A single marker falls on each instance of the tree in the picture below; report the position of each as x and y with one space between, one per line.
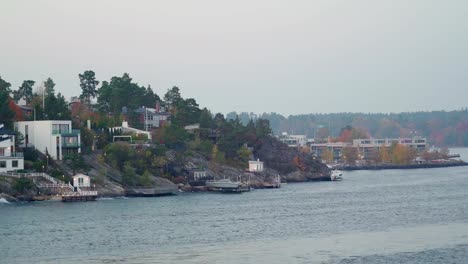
172 98
384 155
49 87
23 185
88 84
76 162
24 91
206 118
118 153
129 175
327 156
402 154
5 86
145 179
7 116
350 155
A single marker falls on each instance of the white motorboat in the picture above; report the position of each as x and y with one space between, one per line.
336 175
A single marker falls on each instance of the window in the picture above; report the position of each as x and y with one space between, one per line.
14 164
2 164
80 181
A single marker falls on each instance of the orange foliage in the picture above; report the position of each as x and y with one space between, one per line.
297 161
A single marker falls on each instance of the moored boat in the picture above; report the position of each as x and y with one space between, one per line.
336 175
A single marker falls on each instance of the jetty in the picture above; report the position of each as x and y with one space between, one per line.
404 167
49 186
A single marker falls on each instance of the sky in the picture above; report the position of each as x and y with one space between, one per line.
288 57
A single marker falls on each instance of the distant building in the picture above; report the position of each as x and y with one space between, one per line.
293 140
56 137
367 146
125 129
197 174
10 160
336 148
152 118
255 165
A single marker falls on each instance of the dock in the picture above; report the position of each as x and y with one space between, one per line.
79 197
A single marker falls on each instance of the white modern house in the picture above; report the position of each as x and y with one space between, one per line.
293 140
56 137
125 129
255 165
10 160
81 180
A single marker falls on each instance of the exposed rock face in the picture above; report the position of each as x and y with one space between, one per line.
291 163
8 198
6 185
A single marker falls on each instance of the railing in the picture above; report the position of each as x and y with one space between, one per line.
13 155
71 145
55 183
66 132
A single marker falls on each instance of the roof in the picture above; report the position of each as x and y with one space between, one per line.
4 131
80 175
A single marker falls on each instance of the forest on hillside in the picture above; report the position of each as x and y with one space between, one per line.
441 128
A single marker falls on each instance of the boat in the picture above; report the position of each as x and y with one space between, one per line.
336 175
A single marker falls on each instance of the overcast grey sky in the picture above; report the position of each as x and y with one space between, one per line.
258 56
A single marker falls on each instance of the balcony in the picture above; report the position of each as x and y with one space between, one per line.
71 145
14 155
73 132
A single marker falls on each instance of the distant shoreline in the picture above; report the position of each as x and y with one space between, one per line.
405 167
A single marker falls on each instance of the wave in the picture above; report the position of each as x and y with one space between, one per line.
4 201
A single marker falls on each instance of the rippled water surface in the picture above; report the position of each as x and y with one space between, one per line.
393 216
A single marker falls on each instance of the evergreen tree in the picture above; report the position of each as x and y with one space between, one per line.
49 87
88 84
24 91
7 116
4 85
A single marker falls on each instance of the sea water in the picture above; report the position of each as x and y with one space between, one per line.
388 216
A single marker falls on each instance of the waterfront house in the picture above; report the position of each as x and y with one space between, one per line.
55 137
255 165
10 160
81 180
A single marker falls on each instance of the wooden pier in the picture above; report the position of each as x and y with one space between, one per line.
81 196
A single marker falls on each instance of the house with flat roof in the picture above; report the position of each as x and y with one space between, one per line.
293 140
10 160
255 165
55 137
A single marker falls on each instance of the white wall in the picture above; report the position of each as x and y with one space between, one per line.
86 181
40 135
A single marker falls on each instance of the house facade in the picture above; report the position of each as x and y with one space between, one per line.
56 137
366 146
255 165
10 160
152 118
81 180
293 140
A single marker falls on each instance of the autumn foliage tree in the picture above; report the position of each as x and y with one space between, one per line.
327 156
350 155
402 154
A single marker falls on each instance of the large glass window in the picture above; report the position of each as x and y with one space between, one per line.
14 164
3 164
